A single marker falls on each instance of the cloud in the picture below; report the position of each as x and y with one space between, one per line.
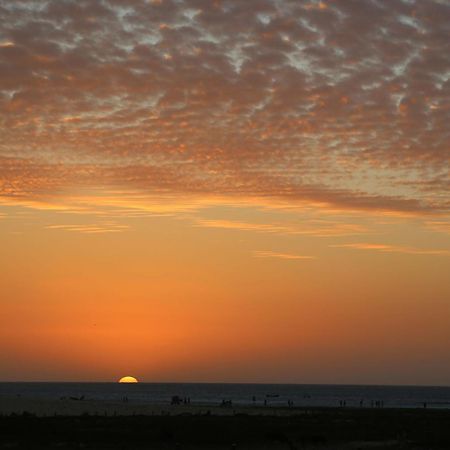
91 228
325 102
243 226
386 248
285 256
440 226
318 228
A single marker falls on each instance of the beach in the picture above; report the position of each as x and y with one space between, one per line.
27 423
44 407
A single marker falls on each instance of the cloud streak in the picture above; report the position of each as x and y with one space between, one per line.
284 256
316 228
386 248
91 228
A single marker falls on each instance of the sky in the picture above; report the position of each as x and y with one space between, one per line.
225 190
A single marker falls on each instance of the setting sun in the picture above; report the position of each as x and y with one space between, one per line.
128 380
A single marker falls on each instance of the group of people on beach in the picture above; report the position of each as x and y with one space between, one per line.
377 404
373 403
177 400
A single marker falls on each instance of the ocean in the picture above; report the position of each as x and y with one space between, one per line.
301 395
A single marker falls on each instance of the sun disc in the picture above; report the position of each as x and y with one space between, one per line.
128 379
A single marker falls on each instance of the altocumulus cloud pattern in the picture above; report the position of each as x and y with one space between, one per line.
344 103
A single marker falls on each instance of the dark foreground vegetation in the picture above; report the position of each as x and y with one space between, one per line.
304 429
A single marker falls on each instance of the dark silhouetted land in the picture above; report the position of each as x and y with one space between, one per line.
328 428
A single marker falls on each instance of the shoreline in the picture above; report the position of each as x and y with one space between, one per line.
44 407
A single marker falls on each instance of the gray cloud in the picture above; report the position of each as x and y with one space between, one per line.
331 101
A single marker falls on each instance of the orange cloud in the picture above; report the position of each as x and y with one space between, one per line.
393 249
91 229
198 107
312 227
287 256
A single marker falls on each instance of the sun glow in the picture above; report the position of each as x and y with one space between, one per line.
128 379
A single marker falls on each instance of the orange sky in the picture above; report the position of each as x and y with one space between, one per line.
225 191
165 298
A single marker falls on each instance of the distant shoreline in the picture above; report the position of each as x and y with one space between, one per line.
147 398
42 407
227 383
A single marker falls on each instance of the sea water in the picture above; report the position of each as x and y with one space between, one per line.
240 394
